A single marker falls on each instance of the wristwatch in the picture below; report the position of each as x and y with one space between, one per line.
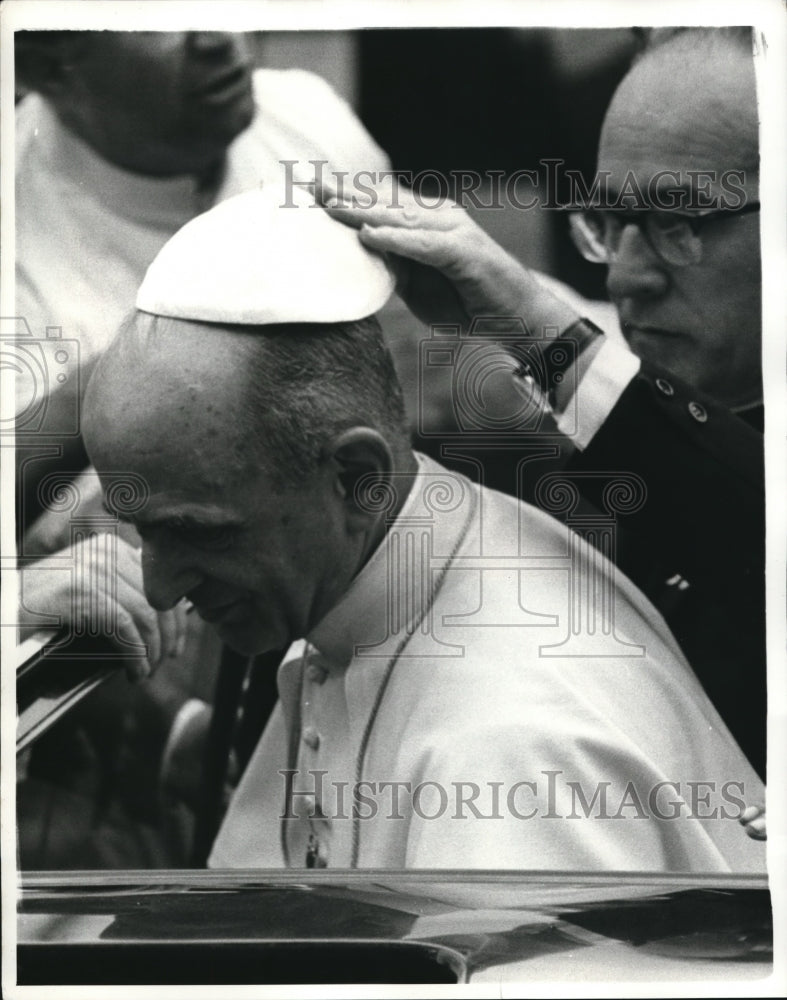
547 361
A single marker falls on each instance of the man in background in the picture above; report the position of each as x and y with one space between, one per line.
124 137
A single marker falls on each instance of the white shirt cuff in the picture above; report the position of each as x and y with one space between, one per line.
598 391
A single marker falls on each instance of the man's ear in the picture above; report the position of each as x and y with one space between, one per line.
363 463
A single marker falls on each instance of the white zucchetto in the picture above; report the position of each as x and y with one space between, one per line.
252 261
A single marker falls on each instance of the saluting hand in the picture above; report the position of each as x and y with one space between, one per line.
448 270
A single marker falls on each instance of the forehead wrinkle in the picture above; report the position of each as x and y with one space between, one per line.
711 132
634 145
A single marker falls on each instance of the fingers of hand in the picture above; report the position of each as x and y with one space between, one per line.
756 829
753 821
181 612
126 630
49 533
172 627
127 563
435 248
398 208
109 597
128 618
750 813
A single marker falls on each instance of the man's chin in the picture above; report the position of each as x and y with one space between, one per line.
665 348
220 126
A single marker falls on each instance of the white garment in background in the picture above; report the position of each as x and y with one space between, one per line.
87 230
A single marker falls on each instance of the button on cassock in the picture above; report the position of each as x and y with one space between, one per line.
311 737
316 672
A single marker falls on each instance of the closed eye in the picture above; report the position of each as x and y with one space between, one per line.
214 537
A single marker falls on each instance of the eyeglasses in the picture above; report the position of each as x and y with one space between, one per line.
675 238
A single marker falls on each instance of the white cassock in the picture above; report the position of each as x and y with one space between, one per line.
465 705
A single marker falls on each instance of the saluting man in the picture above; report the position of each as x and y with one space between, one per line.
677 226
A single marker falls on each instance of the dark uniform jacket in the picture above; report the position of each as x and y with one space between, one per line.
696 546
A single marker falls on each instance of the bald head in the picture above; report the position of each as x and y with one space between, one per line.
681 135
688 103
167 391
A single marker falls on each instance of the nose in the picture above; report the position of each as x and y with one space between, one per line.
166 575
636 271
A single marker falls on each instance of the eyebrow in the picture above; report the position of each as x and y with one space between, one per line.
174 520
683 189
613 194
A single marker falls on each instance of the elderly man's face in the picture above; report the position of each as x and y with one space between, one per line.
701 321
159 102
261 562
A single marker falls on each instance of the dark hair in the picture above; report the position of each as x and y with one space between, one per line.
303 384
308 382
